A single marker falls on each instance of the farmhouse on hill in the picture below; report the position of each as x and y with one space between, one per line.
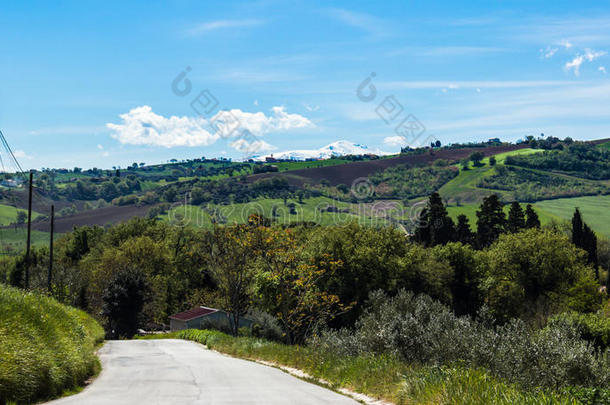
203 317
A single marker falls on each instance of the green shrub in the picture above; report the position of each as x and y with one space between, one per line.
45 347
381 375
594 328
419 330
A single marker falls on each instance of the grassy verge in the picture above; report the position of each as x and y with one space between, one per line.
46 348
383 377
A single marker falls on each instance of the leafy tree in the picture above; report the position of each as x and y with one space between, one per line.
532 220
170 194
537 269
124 298
371 259
491 221
343 188
232 271
516 218
291 287
476 158
466 283
463 232
437 227
22 216
492 160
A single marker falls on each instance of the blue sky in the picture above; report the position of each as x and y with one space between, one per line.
90 84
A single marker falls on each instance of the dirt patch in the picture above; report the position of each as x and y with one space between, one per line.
101 217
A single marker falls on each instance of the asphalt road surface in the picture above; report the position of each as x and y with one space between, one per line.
176 372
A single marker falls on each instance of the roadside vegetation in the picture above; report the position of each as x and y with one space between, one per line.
380 376
45 347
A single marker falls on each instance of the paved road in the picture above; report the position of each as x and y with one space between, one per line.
177 372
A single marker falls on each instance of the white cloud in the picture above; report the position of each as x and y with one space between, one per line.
19 154
395 140
566 44
206 27
250 148
366 22
100 147
589 56
602 69
548 52
141 126
575 64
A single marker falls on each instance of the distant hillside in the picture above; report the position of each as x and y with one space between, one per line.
101 197
346 174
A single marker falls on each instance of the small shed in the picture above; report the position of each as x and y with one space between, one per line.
202 317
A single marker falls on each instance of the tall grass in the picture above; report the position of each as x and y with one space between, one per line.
380 376
45 347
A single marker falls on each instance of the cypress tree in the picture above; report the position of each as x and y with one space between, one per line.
532 220
590 246
491 221
422 230
583 237
577 229
437 227
463 232
516 218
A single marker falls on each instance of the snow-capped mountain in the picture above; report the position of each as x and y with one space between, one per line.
338 148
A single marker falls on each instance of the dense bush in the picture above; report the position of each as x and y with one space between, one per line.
537 273
45 347
594 328
420 330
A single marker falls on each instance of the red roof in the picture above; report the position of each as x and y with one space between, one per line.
193 313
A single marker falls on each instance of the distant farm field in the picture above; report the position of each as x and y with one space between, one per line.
8 214
595 210
315 210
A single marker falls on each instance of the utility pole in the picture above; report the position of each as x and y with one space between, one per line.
27 243
50 275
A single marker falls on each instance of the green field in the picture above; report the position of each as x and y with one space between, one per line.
605 145
12 241
595 210
463 188
8 214
310 210
501 157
